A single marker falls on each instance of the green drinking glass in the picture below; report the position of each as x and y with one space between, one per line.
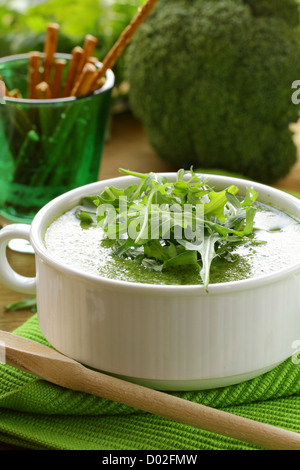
47 146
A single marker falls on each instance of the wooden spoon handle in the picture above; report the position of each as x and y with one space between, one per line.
50 365
184 411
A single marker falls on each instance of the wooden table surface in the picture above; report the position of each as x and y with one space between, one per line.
127 147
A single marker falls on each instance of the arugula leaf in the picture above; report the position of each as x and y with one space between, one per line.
29 302
86 219
206 248
217 201
160 224
208 253
155 249
184 258
250 197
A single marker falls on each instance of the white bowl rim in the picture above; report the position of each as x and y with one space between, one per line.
229 287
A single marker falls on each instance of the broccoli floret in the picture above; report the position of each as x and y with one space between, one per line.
286 10
211 82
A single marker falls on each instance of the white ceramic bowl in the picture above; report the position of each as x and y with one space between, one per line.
166 337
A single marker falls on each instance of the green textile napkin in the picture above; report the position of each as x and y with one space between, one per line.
36 414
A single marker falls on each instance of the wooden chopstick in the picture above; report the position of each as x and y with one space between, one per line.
50 365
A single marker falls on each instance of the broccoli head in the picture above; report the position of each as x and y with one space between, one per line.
210 80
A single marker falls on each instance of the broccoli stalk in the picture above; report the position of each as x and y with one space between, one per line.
210 81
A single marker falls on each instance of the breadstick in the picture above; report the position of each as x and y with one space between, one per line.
88 49
89 45
56 83
84 83
3 88
93 60
77 54
43 91
15 93
100 82
50 49
123 40
34 73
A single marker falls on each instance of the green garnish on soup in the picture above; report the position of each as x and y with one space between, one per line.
161 224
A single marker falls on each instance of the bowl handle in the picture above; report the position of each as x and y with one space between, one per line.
9 277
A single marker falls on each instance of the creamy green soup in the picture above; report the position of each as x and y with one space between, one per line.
275 244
